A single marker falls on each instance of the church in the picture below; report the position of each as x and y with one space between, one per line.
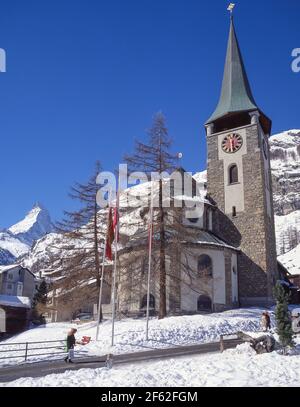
232 261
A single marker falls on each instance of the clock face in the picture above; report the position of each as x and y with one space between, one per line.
232 143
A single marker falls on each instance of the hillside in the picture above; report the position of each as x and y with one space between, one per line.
18 239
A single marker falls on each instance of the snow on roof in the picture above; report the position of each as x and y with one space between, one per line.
200 177
10 267
208 238
291 261
3 269
12 301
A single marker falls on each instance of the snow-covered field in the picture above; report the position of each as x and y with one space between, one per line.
240 367
237 367
130 333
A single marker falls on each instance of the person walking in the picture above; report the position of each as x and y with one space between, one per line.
265 321
71 342
268 321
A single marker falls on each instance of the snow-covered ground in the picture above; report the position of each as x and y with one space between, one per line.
239 367
130 333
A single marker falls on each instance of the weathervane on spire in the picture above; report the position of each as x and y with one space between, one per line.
230 8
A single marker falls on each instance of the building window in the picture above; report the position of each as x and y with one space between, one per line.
151 302
10 276
209 225
194 220
205 268
204 304
234 211
9 286
233 174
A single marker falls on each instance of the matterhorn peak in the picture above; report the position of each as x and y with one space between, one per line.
35 225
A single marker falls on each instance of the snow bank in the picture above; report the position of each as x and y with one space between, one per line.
240 367
130 333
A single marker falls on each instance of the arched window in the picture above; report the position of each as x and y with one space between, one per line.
2 321
151 302
233 174
205 268
204 304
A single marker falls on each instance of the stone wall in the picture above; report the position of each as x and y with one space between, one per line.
251 230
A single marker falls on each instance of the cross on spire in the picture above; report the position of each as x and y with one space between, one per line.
236 95
231 7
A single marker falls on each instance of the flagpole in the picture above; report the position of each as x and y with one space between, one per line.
115 267
114 295
102 274
101 290
149 262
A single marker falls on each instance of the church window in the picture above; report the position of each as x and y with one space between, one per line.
194 220
233 174
151 302
204 304
205 268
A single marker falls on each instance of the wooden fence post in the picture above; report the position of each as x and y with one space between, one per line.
26 351
222 347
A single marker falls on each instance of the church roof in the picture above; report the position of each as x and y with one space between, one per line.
236 94
205 237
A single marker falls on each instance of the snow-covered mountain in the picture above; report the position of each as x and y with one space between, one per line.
36 224
11 248
285 156
285 161
18 239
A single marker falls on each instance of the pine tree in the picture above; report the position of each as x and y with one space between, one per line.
39 303
283 320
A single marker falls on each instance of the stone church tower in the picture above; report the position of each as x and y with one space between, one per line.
239 178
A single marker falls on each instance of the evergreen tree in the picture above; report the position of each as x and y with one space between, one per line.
39 303
283 320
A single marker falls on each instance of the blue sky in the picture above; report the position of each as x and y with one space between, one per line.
84 79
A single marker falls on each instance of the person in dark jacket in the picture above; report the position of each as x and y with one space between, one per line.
71 342
268 320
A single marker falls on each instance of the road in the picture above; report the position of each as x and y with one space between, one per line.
39 369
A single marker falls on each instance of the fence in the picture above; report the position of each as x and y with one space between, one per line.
28 347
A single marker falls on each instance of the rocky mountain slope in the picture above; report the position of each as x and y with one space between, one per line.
17 240
36 224
285 162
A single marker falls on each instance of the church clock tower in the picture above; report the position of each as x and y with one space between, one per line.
239 178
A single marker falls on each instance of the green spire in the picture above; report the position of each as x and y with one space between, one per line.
236 95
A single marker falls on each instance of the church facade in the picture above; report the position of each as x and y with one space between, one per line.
232 261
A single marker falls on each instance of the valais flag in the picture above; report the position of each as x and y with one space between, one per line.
112 230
